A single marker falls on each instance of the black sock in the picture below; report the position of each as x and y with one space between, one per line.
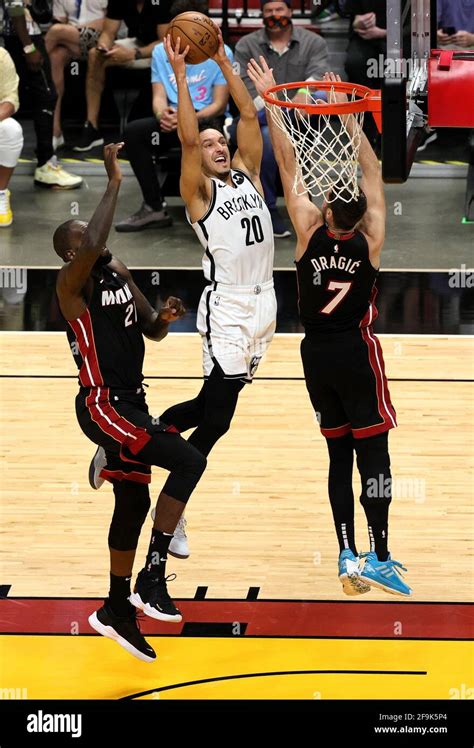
118 595
341 495
373 461
158 552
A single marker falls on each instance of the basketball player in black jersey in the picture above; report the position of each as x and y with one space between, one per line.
337 260
107 317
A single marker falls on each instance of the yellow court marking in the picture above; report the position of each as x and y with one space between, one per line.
91 667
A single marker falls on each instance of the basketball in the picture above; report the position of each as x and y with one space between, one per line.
199 32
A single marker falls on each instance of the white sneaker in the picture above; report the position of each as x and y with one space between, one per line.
178 547
52 175
98 462
58 142
6 215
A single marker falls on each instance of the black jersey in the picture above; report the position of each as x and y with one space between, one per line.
106 340
336 282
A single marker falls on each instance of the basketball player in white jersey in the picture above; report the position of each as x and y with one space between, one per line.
339 246
225 206
237 312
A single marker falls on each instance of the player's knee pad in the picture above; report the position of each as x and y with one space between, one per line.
373 462
132 503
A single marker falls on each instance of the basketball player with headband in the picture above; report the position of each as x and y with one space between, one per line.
337 261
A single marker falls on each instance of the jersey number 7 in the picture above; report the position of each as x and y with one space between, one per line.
343 288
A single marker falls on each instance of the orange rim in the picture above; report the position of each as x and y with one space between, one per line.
369 101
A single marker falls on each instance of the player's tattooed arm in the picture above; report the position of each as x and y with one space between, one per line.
153 324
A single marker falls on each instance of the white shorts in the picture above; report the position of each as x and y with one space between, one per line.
237 324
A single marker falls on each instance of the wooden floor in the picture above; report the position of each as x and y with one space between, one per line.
260 516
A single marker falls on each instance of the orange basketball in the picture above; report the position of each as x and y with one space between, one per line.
199 32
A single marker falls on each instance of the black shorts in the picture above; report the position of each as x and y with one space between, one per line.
346 382
119 421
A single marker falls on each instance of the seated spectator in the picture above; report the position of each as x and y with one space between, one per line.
367 39
295 54
11 133
78 30
457 15
145 139
24 42
146 22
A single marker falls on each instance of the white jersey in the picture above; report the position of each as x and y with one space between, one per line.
236 233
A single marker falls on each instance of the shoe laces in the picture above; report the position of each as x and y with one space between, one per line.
390 562
180 531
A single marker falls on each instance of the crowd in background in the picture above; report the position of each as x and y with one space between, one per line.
41 38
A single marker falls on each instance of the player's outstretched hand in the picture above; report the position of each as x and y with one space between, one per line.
260 74
177 59
220 56
172 310
335 97
111 163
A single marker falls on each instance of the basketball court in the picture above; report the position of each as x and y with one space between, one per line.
264 615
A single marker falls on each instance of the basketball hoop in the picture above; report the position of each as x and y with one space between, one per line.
325 135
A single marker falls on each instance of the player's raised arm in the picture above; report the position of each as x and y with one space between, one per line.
373 222
249 137
91 242
304 215
192 183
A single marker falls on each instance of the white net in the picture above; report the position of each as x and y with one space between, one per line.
326 146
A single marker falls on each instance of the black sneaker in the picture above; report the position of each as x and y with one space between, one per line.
145 218
151 595
429 136
90 138
123 630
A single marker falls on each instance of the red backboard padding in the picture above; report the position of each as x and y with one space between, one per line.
451 88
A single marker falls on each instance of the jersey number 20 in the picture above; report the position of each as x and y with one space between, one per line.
253 227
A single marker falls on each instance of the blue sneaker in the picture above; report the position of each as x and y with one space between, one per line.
349 574
386 575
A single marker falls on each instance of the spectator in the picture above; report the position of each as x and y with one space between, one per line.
457 15
146 138
295 54
78 30
367 40
11 134
146 22
24 42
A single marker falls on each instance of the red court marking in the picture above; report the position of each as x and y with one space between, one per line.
263 618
